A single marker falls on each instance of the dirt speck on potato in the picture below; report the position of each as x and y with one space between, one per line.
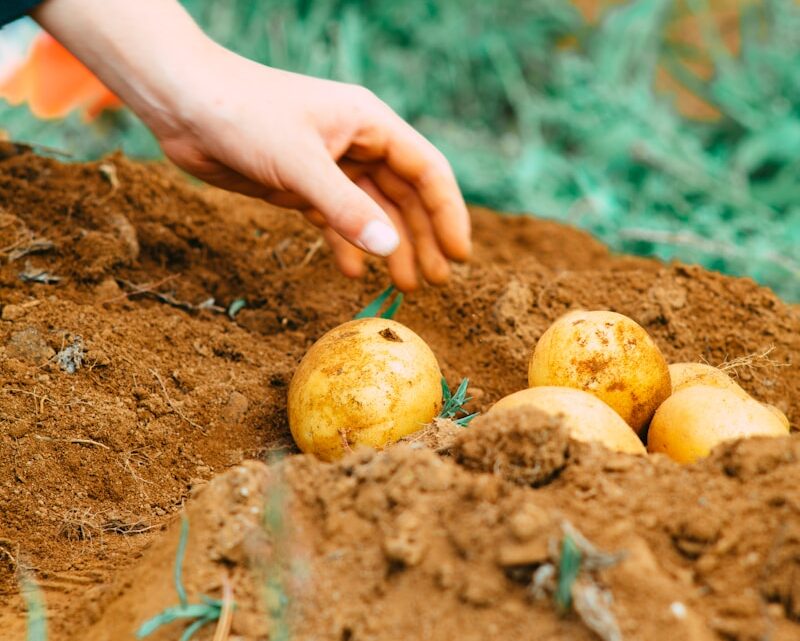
389 335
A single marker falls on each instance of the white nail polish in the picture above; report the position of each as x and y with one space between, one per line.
378 238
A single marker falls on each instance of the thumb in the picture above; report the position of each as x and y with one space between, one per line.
346 207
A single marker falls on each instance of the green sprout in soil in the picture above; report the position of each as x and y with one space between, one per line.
454 403
373 309
199 613
275 524
568 569
235 307
37 612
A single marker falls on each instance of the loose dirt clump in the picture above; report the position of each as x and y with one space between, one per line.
133 382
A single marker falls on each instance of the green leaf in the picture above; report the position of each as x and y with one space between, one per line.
568 569
236 306
37 610
179 556
453 403
200 613
373 309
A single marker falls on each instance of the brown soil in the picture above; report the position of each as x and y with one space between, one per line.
442 538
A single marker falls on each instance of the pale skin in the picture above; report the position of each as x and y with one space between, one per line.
357 171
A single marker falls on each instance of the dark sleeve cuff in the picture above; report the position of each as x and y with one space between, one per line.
12 9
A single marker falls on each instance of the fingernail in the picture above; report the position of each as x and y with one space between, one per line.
378 238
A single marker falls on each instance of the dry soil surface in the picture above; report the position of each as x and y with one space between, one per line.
128 396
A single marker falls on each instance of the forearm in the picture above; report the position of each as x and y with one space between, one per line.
360 172
137 48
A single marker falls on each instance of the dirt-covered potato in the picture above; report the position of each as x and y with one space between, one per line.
370 381
585 416
608 355
691 422
685 375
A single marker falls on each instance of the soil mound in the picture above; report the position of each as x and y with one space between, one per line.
127 386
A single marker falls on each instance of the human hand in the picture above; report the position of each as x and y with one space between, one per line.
335 151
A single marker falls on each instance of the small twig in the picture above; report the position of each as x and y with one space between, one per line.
12 246
88 441
278 250
6 546
109 171
38 399
226 613
75 441
140 457
172 405
138 289
315 247
118 526
34 246
169 299
79 525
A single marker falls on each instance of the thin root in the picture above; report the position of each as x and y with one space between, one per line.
315 247
79 525
751 362
226 614
172 405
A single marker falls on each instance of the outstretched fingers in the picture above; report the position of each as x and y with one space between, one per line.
432 261
411 157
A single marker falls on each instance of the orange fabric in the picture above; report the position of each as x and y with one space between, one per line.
54 83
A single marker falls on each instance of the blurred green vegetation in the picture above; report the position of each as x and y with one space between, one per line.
577 133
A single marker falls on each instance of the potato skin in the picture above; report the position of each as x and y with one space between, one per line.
585 416
691 422
608 355
369 381
779 415
685 375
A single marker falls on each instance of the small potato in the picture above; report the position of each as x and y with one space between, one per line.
585 416
608 355
691 422
369 381
685 375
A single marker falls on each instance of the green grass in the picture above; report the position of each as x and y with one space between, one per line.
454 403
576 134
196 615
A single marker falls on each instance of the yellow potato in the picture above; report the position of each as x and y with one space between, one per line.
685 375
585 416
608 355
369 381
780 415
691 422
